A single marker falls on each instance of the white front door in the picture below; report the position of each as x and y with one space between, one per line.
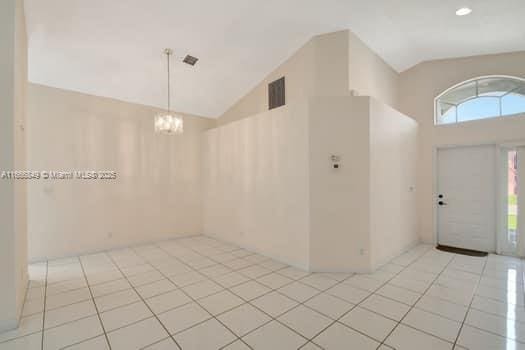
466 197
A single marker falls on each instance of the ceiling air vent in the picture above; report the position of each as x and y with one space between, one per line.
190 60
276 93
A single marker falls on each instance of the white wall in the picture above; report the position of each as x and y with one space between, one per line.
255 183
364 213
412 92
319 68
369 75
269 184
256 168
339 222
20 155
393 207
246 159
157 191
418 88
8 318
298 85
13 235
330 64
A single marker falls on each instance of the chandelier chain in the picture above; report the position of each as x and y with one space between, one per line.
168 58
166 122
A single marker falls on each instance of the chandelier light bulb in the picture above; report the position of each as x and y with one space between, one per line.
463 11
169 124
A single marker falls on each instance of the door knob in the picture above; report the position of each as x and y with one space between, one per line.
442 203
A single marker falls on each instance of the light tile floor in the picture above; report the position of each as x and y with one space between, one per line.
200 293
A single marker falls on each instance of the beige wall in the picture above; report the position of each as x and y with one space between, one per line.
319 68
393 207
420 85
157 191
412 92
13 235
369 75
269 184
298 85
20 154
255 183
266 179
330 64
339 225
8 316
364 213
322 73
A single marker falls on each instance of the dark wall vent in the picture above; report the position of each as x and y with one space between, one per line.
190 60
276 93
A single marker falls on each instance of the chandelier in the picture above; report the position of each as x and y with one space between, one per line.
168 123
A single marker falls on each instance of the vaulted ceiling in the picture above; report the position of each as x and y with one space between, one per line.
113 48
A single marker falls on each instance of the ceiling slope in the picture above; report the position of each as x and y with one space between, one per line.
115 48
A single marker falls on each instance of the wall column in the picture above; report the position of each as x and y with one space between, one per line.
13 234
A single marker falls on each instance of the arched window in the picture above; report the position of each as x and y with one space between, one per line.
480 98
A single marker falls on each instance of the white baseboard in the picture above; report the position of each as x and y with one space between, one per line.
112 247
8 325
257 251
401 251
12 323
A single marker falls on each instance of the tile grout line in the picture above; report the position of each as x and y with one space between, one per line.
208 276
77 288
169 277
271 290
250 279
212 277
22 312
276 318
302 303
272 318
359 304
189 296
143 300
169 337
44 310
84 317
419 308
412 307
124 305
337 320
94 303
27 299
489 313
470 304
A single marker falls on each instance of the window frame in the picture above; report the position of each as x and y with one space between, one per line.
475 79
